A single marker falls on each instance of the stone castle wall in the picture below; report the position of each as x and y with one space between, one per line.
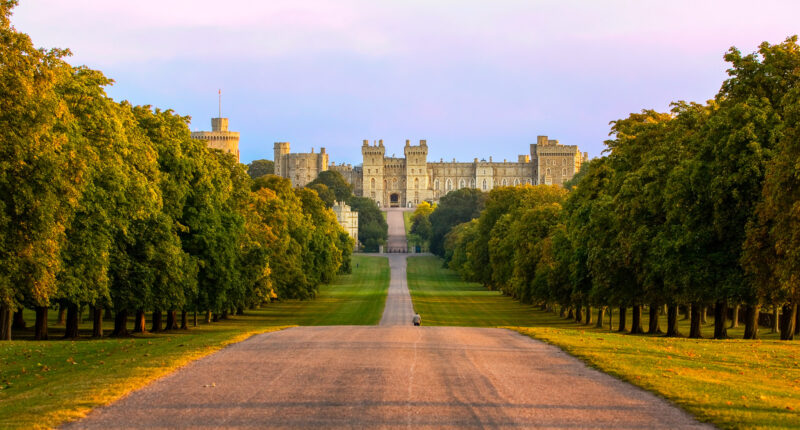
409 180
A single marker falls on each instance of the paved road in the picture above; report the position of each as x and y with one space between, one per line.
399 309
388 377
391 376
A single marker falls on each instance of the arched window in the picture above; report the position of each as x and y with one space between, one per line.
448 185
472 183
564 162
484 185
548 171
528 181
564 172
416 183
436 184
516 182
505 182
372 184
462 184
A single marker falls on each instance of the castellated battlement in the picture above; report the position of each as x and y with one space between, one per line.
220 137
406 181
300 168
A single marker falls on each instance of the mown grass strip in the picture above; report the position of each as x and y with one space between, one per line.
44 384
730 383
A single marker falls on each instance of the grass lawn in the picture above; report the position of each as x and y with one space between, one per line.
731 383
43 384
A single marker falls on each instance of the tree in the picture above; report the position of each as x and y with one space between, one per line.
372 228
324 193
454 208
336 183
259 168
42 172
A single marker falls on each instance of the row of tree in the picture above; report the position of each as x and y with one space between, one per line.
114 207
696 207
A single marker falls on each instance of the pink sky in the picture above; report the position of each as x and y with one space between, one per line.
474 78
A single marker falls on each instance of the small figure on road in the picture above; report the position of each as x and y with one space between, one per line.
417 319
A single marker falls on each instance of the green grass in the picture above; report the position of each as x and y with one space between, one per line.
407 221
43 384
443 299
730 383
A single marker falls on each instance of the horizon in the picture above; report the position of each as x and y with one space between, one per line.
473 80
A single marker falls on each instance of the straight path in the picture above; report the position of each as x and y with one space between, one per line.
399 309
389 377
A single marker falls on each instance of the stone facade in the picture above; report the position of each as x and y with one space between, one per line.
220 137
300 168
407 181
348 219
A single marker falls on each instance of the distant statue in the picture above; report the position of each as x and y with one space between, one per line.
417 320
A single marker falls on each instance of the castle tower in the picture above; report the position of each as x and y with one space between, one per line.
280 150
416 173
373 171
220 137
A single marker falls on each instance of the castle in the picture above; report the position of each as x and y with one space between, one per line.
407 181
219 137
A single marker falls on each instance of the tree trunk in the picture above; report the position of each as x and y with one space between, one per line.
40 326
120 323
240 310
672 321
224 314
184 321
623 315
797 323
208 317
195 318
751 321
610 318
696 327
636 320
704 315
788 320
775 323
139 323
71 331
578 313
721 319
589 315
19 320
601 316
156 323
61 314
215 317
97 321
562 311
570 313
735 316
654 326
172 320
6 317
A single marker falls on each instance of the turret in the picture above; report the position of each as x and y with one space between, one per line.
280 149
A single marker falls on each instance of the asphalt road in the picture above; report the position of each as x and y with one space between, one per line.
390 376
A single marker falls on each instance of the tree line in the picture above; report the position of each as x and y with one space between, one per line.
113 207
690 209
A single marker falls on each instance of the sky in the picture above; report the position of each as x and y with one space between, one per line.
473 78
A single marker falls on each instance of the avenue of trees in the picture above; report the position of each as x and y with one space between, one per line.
693 209
109 207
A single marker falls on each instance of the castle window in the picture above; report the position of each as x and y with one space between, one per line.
484 185
448 185
394 183
372 185
472 183
516 182
416 183
564 171
505 182
461 184
436 184
548 172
